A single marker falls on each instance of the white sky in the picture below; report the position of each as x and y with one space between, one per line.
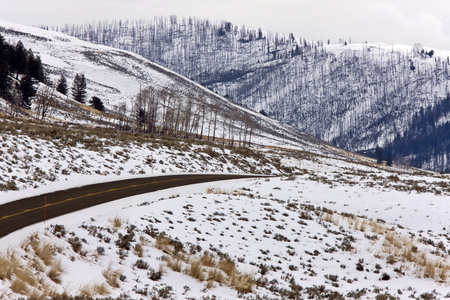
388 21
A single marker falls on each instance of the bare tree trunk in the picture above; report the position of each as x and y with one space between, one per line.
46 102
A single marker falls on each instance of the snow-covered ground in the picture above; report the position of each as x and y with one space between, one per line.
340 226
279 231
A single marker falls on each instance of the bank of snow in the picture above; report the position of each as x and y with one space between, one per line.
281 231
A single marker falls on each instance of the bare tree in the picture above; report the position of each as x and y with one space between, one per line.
15 100
45 102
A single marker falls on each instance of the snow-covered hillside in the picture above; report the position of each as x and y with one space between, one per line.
332 225
355 95
117 76
334 230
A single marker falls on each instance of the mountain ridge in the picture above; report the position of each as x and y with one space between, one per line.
356 96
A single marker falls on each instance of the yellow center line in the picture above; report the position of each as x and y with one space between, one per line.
90 194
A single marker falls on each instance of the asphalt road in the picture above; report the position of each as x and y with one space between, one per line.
24 212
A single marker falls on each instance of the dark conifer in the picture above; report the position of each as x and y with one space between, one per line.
389 160
97 103
379 155
5 80
79 88
61 86
35 66
27 90
18 59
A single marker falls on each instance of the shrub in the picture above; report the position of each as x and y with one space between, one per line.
155 275
140 264
76 244
58 230
359 265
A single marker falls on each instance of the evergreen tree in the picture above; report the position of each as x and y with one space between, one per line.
61 86
379 155
389 160
18 59
35 66
5 80
27 90
79 88
97 103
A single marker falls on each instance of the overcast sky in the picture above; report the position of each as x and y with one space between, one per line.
387 21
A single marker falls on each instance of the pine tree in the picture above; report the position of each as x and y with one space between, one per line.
61 86
379 155
27 90
97 103
389 160
79 88
5 80
35 66
18 59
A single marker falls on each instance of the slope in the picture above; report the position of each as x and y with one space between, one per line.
117 76
354 95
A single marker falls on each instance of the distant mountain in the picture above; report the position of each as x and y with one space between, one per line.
356 96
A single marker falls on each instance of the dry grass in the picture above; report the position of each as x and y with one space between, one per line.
112 276
396 247
8 264
56 271
45 252
90 290
210 284
216 275
228 266
19 287
196 270
216 191
208 260
243 283
331 218
26 276
163 243
175 264
118 221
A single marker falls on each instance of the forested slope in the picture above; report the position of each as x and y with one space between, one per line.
356 96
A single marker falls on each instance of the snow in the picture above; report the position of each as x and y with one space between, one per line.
278 230
241 218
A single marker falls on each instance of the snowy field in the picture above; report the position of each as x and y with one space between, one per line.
323 232
330 226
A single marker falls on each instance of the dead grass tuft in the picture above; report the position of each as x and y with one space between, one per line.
243 283
208 260
228 266
163 243
56 271
216 191
112 276
216 275
175 264
26 276
196 270
118 221
8 264
90 290
19 287
45 252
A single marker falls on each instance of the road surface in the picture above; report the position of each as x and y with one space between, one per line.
24 212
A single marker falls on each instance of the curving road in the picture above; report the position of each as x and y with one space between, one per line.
21 213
